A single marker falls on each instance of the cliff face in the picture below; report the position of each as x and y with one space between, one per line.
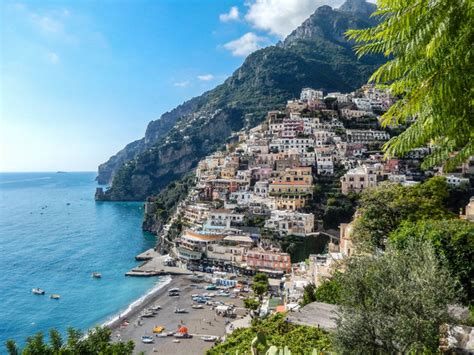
155 130
315 55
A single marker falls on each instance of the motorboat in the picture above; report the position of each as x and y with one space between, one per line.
55 296
180 310
175 289
155 308
146 339
211 338
173 294
197 306
38 291
96 275
162 335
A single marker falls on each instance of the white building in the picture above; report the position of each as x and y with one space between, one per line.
308 94
290 223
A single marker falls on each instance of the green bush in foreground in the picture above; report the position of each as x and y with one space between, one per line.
395 302
453 241
98 341
299 339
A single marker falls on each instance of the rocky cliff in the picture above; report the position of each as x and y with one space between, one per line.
315 55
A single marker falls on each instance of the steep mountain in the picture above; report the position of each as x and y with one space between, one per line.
316 54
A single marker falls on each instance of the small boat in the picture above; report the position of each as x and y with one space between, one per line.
146 339
176 341
211 338
197 306
182 336
180 310
55 296
148 314
170 334
155 308
96 275
175 289
162 335
38 291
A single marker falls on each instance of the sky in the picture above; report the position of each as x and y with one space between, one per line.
81 79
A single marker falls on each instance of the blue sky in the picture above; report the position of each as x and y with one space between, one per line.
80 79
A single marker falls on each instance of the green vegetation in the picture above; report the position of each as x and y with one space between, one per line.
162 206
453 241
383 208
260 285
329 291
251 304
338 209
395 302
308 294
277 332
429 44
98 341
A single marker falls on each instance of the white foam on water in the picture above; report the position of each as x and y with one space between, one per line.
139 302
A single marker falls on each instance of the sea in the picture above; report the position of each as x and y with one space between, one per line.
53 235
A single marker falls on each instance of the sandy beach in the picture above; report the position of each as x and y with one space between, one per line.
200 322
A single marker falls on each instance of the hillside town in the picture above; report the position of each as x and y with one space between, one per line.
251 236
261 190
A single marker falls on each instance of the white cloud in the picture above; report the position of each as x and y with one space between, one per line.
232 15
246 44
280 17
206 77
53 58
182 84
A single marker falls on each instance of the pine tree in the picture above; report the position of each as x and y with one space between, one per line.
430 66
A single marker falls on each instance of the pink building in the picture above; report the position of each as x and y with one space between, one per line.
261 259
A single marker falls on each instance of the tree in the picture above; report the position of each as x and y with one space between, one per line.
329 291
308 294
453 240
383 208
97 341
394 303
260 277
251 304
429 46
260 284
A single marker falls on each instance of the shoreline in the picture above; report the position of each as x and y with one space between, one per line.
139 304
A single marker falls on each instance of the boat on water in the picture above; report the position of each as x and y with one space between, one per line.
146 339
211 338
96 275
38 291
180 310
197 306
55 296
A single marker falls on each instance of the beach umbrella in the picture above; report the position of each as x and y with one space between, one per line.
183 330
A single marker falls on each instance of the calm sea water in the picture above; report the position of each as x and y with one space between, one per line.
53 235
